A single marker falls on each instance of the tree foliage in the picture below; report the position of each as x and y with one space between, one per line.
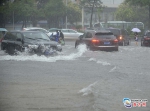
142 3
5 12
73 13
138 2
125 12
53 11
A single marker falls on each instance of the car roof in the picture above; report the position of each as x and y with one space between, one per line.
23 31
3 29
114 28
99 31
54 29
147 31
33 28
68 29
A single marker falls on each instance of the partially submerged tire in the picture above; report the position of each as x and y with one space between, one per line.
142 43
116 49
10 50
128 43
76 45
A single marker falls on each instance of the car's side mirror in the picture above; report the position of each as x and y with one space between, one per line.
80 37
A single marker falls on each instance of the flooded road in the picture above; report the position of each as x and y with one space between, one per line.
75 80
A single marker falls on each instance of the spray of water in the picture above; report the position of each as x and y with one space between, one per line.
26 57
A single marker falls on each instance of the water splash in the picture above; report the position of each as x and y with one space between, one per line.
25 57
88 90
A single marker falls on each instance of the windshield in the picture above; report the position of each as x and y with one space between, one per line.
115 31
148 34
105 35
35 35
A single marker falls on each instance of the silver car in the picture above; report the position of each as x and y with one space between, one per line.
70 34
37 29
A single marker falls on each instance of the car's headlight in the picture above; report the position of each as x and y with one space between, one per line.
32 46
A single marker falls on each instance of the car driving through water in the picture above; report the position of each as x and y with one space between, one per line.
145 40
98 40
33 42
37 29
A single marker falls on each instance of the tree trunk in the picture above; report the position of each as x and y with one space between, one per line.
92 14
23 24
149 17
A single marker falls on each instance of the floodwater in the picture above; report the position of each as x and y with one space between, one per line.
85 80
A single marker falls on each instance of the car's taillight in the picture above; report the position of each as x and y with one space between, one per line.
147 38
115 40
95 41
1 39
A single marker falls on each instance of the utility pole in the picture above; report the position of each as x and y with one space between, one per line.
66 14
82 17
13 20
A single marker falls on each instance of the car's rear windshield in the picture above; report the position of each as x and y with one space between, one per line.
35 35
115 31
148 34
105 35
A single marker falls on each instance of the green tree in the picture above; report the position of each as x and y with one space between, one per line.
25 10
5 12
124 12
140 3
99 11
73 13
54 10
21 10
91 4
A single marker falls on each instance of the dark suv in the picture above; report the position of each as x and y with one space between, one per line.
33 41
145 40
98 40
122 35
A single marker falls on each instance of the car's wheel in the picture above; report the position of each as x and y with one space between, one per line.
54 49
2 48
10 50
116 49
122 44
128 43
76 45
141 43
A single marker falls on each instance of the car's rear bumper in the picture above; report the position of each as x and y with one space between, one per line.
146 43
104 48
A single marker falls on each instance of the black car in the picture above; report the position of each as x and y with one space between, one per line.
145 40
122 35
32 41
98 40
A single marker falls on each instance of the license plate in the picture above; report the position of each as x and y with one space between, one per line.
106 43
